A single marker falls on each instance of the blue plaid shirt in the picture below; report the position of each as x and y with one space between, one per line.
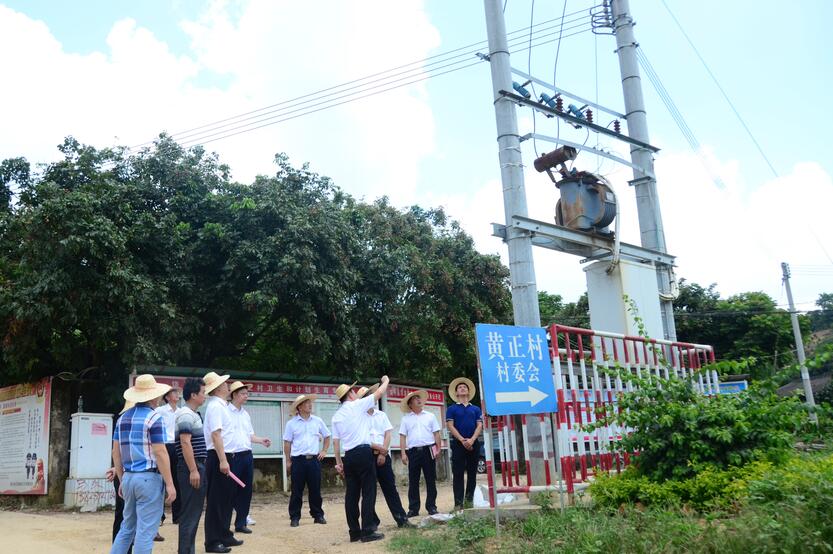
136 430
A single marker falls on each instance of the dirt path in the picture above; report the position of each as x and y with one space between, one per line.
89 533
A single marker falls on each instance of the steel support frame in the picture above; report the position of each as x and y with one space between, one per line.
589 245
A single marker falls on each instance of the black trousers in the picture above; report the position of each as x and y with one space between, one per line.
387 482
190 509
220 491
305 473
420 460
243 466
119 517
175 506
464 464
360 477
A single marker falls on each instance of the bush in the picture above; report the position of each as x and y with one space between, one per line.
679 432
709 490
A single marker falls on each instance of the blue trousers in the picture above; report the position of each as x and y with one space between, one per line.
243 465
144 497
305 473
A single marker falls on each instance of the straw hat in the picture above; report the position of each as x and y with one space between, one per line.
300 400
238 385
127 405
212 381
144 389
173 388
403 404
364 391
344 389
452 387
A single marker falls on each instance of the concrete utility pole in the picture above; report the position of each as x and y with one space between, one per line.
799 345
647 202
521 268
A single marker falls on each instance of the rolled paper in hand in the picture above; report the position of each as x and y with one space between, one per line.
237 479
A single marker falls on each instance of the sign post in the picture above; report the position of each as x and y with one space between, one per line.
515 374
515 369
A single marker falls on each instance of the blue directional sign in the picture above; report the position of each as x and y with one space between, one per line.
732 387
515 369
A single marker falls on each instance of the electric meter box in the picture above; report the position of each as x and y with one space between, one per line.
91 445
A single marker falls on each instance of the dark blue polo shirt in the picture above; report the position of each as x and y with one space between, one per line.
465 418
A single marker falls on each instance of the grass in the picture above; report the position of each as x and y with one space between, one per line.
787 509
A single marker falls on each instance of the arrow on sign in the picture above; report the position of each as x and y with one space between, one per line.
533 396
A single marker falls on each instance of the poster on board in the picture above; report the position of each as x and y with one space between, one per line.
24 437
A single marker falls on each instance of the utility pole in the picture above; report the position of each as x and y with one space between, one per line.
799 346
521 268
647 203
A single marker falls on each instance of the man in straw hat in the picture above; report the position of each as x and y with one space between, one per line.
419 443
243 465
465 423
191 454
167 410
218 430
351 429
142 466
380 435
306 440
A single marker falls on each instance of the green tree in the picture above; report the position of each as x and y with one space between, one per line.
554 310
110 260
823 317
743 325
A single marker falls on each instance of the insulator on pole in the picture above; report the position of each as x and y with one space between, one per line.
617 126
588 113
559 103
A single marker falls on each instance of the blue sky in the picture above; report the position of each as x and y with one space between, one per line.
119 72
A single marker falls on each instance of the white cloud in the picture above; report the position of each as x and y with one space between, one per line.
135 87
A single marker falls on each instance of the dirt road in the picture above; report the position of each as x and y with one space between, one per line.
89 533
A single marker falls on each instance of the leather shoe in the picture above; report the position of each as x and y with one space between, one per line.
218 548
233 542
373 537
412 514
244 530
405 524
158 538
320 520
355 538
432 512
294 523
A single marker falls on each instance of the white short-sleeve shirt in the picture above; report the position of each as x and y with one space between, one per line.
168 415
241 438
419 429
379 424
351 424
218 416
305 434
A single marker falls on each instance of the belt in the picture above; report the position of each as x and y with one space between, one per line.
151 470
426 446
359 447
306 456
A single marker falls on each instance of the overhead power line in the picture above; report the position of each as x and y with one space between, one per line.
676 115
416 68
314 105
720 88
